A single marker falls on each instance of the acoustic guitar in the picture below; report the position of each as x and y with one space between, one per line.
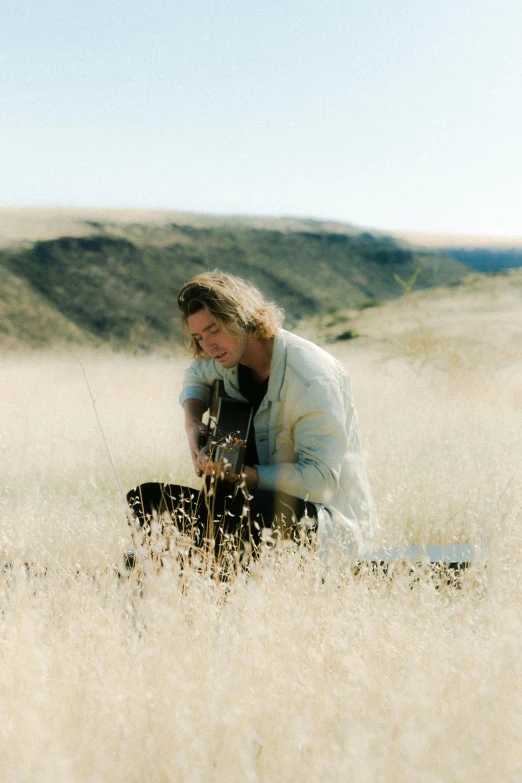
229 426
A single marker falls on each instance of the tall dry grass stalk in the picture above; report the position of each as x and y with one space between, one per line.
292 673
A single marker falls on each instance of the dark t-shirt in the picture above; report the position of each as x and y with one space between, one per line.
253 391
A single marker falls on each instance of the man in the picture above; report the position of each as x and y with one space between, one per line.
304 473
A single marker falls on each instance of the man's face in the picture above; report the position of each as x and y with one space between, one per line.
225 349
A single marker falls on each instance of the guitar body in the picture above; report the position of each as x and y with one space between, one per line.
229 426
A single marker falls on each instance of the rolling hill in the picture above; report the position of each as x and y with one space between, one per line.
112 279
484 254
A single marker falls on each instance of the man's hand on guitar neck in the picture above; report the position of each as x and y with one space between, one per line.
197 431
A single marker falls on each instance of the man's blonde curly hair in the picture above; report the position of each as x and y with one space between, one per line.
234 305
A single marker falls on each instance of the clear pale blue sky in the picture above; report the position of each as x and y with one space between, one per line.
394 114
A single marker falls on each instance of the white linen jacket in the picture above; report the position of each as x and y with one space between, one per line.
306 436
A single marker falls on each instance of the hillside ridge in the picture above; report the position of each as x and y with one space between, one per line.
116 284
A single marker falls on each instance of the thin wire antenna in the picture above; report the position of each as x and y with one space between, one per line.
128 513
93 401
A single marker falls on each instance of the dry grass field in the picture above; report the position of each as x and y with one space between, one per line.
293 673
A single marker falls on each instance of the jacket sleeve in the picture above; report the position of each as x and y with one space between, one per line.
320 441
198 380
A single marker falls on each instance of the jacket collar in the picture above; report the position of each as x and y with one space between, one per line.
277 366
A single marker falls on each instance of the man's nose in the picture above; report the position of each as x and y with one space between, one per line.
208 342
